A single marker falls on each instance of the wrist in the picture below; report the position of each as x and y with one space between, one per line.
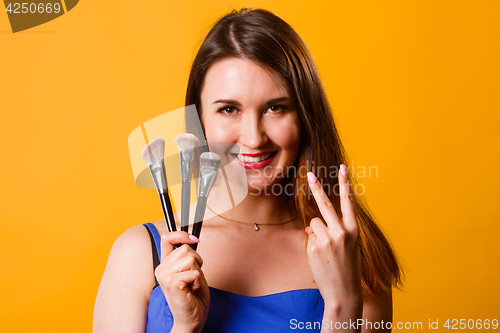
351 308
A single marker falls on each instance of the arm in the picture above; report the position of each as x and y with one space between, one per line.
123 296
334 258
377 310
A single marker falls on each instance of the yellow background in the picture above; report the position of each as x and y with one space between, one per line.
414 86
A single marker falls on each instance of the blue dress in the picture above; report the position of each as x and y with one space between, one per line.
287 311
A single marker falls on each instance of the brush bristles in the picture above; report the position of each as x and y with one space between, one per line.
186 141
210 160
154 151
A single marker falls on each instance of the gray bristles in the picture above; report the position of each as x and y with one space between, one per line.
154 151
210 160
186 141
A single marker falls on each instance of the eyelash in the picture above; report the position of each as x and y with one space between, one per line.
281 107
224 109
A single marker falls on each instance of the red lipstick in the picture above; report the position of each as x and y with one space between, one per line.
255 165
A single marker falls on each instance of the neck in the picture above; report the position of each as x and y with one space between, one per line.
262 209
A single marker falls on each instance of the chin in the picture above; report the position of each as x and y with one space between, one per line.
262 185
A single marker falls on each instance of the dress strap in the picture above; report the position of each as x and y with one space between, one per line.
155 245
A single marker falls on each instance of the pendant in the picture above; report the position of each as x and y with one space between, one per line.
255 227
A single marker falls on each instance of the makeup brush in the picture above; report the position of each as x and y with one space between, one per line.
186 143
153 154
209 163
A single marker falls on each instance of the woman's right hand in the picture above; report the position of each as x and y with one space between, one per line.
183 283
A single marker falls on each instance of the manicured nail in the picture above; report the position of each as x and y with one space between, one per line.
312 178
343 170
194 238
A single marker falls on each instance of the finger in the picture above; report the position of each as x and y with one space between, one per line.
183 264
318 228
183 281
190 279
170 239
308 230
346 203
182 252
311 237
324 204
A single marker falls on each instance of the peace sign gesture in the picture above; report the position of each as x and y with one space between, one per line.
332 251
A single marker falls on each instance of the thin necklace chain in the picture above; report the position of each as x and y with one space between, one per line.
255 225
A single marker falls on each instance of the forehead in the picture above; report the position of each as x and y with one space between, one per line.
239 77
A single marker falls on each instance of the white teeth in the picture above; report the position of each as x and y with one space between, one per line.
250 159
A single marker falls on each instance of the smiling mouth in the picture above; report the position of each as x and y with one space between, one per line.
254 159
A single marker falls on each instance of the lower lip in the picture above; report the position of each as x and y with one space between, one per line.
255 165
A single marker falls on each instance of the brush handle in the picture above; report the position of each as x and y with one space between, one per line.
198 218
185 203
167 211
166 206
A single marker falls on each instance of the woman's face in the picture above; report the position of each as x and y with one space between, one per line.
245 105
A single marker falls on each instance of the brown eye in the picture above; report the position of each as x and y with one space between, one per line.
227 110
276 108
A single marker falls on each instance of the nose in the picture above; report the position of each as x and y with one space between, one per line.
253 134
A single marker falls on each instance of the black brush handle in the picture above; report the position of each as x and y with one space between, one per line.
168 212
198 218
166 205
185 203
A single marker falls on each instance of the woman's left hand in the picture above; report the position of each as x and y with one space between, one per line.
333 252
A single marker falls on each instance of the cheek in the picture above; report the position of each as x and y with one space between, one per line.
215 131
287 137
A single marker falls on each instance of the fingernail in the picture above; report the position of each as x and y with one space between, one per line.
307 229
194 238
343 170
312 178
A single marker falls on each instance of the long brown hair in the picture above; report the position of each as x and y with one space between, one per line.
263 37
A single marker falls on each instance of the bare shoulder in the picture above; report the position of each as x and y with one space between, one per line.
132 242
131 252
123 296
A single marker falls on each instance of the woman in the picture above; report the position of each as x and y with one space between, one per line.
315 262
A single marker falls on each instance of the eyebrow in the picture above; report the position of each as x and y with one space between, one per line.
234 102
